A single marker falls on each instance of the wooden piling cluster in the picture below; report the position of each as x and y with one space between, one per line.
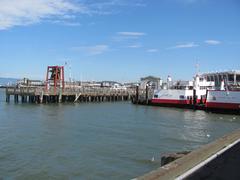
142 96
79 94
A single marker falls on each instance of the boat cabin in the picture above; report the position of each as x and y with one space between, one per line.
230 78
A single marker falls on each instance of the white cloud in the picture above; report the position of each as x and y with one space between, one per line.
105 7
135 46
152 50
212 42
185 45
66 23
92 50
134 34
25 12
128 36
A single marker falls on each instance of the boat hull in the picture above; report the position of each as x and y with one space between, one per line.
171 103
223 101
173 98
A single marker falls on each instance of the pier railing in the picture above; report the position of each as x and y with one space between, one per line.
21 90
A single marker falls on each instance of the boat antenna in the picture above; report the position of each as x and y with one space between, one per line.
67 63
70 73
197 68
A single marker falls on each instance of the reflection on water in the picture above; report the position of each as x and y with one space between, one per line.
196 133
98 140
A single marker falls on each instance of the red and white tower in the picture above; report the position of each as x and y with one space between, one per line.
55 78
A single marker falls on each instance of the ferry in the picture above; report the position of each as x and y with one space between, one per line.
182 93
226 95
219 91
179 94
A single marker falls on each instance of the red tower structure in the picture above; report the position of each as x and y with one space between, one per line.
55 78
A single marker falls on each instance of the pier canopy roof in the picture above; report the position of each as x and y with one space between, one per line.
150 78
152 81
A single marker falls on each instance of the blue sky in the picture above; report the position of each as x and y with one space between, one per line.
118 40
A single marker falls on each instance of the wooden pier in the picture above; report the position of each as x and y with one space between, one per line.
71 94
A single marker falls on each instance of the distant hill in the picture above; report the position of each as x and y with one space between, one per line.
6 81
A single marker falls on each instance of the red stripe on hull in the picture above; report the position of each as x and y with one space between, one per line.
169 101
233 106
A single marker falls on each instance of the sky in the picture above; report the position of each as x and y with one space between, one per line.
120 40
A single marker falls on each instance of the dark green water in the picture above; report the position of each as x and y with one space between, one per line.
98 140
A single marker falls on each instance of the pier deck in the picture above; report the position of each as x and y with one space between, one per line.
70 94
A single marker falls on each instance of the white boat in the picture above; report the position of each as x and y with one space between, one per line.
226 95
217 99
219 91
182 93
179 94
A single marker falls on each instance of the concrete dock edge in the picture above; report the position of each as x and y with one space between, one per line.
182 165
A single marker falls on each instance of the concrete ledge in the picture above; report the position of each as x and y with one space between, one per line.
167 158
182 165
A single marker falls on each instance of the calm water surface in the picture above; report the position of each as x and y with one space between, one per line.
98 140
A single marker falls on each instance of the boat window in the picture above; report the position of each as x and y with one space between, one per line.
189 97
155 96
181 97
224 77
231 77
238 78
208 78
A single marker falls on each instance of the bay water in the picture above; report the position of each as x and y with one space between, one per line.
108 140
